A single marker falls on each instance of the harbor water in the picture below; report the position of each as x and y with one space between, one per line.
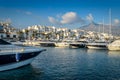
69 64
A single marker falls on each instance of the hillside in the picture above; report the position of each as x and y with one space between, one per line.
99 28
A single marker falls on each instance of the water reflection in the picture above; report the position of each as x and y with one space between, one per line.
103 52
114 53
69 64
24 73
96 51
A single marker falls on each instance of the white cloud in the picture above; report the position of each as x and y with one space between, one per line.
90 17
53 20
67 18
28 13
70 18
116 21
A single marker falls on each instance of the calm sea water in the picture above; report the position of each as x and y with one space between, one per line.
69 64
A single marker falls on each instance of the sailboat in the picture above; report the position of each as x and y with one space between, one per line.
115 45
98 44
101 44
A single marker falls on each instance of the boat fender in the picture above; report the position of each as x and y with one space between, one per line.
22 49
17 57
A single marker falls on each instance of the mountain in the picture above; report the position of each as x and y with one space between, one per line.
99 28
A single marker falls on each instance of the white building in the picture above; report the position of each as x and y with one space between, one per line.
7 32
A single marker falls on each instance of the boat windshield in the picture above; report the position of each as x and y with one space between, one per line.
3 42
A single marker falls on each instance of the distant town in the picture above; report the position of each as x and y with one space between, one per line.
39 32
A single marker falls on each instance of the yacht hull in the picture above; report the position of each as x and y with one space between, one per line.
61 44
115 45
96 47
113 48
77 46
15 65
12 61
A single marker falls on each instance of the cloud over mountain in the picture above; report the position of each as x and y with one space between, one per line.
67 18
90 17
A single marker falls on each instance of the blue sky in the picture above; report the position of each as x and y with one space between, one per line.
59 13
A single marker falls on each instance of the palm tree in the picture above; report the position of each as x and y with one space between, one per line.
26 32
20 35
34 35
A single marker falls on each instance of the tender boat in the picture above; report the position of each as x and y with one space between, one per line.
115 45
12 56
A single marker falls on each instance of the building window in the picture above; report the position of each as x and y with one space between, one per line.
8 36
14 36
1 36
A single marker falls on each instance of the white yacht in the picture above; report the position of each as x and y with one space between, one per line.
32 43
12 56
62 44
97 45
115 45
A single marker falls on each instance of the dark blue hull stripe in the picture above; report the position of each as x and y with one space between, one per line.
78 45
12 58
98 46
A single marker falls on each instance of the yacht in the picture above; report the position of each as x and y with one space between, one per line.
78 44
12 56
97 45
62 44
115 45
32 43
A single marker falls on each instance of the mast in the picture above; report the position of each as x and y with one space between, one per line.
110 21
99 27
103 25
